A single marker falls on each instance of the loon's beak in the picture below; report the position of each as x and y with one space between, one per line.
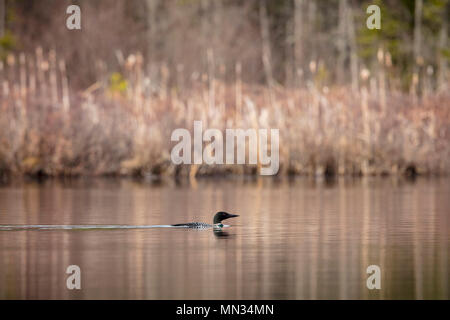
232 215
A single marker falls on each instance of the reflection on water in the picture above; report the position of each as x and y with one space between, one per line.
294 239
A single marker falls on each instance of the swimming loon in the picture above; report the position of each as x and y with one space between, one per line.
217 222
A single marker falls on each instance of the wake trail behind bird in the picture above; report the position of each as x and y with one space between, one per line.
80 227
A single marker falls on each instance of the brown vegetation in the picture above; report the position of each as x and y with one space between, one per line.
122 123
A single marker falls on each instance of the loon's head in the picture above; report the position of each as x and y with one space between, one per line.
221 215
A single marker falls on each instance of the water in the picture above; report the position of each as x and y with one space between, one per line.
294 239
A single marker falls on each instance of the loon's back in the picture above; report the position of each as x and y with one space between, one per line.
221 215
194 225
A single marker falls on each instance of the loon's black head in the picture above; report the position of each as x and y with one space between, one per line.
221 215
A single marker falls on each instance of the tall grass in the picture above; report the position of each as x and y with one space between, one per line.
122 123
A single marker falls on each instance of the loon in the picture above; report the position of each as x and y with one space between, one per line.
217 222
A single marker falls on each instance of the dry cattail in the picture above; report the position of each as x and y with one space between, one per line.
10 60
365 73
380 55
388 60
312 66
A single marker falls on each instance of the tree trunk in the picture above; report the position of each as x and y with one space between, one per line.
418 60
442 44
2 17
342 42
310 41
298 37
353 50
312 12
289 64
265 36
152 27
218 24
206 26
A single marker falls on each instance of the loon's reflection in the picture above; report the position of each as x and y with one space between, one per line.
219 233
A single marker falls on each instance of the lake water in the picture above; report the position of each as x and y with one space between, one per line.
295 239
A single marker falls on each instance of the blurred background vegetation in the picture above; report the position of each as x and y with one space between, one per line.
350 99
179 33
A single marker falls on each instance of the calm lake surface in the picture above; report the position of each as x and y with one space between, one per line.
294 239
